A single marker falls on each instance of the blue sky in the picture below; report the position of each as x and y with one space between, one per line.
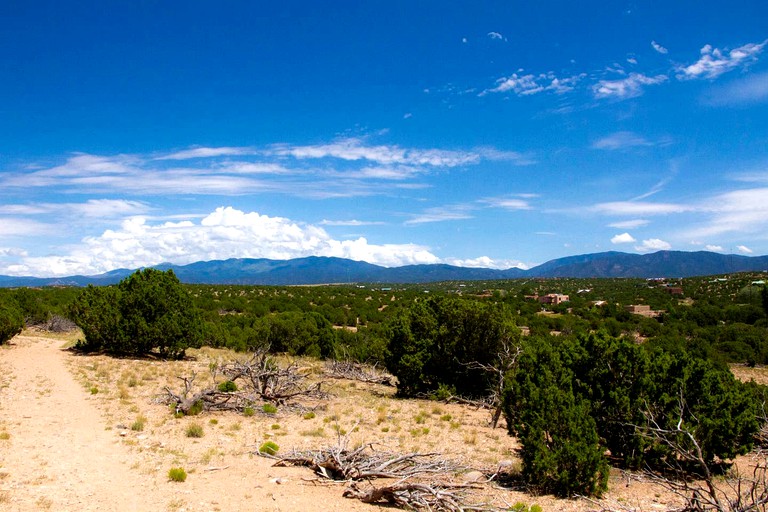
492 134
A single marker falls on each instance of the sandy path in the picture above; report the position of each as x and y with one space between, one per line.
61 457
60 450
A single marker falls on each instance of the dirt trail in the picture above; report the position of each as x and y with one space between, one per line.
61 457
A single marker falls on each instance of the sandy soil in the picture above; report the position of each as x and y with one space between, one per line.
88 433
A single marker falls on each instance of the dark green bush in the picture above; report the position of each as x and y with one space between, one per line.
11 320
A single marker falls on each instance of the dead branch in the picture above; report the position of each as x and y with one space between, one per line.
415 496
359 372
259 379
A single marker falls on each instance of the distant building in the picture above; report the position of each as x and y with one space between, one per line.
554 298
674 290
642 310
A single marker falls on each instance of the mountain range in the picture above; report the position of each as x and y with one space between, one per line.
323 270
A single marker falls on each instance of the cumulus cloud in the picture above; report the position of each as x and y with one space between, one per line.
224 233
621 140
714 61
486 262
744 249
656 46
629 87
624 238
653 244
714 248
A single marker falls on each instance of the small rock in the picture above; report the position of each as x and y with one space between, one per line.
474 476
123 433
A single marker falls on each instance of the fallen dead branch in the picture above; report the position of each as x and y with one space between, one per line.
415 496
257 380
359 372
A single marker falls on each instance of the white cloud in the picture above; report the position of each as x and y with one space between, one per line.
621 140
653 244
629 87
744 211
528 84
442 214
714 248
656 46
203 152
629 224
15 227
750 90
353 149
744 249
496 35
640 208
714 61
486 262
624 238
509 203
353 222
224 233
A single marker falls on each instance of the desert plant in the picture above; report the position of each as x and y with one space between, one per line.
177 474
269 448
227 386
269 408
195 430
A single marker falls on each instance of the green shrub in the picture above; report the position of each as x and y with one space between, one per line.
248 411
269 408
11 320
227 386
177 475
196 408
195 430
269 448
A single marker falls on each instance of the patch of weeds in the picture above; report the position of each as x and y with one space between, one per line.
235 426
318 432
420 418
309 415
195 430
208 455
94 390
196 408
275 426
446 417
332 417
177 475
455 425
269 448
5 436
138 425
385 429
248 411
269 408
521 506
337 428
227 386
213 421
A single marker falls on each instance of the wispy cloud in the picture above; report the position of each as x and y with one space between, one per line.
528 84
497 36
486 262
656 46
443 214
635 208
746 91
714 61
517 202
629 87
352 222
204 152
744 249
621 140
629 224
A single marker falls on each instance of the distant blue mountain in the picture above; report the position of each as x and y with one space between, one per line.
321 270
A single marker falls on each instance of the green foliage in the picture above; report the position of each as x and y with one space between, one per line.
269 408
195 430
149 310
269 448
248 411
432 343
227 386
177 475
11 319
570 399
